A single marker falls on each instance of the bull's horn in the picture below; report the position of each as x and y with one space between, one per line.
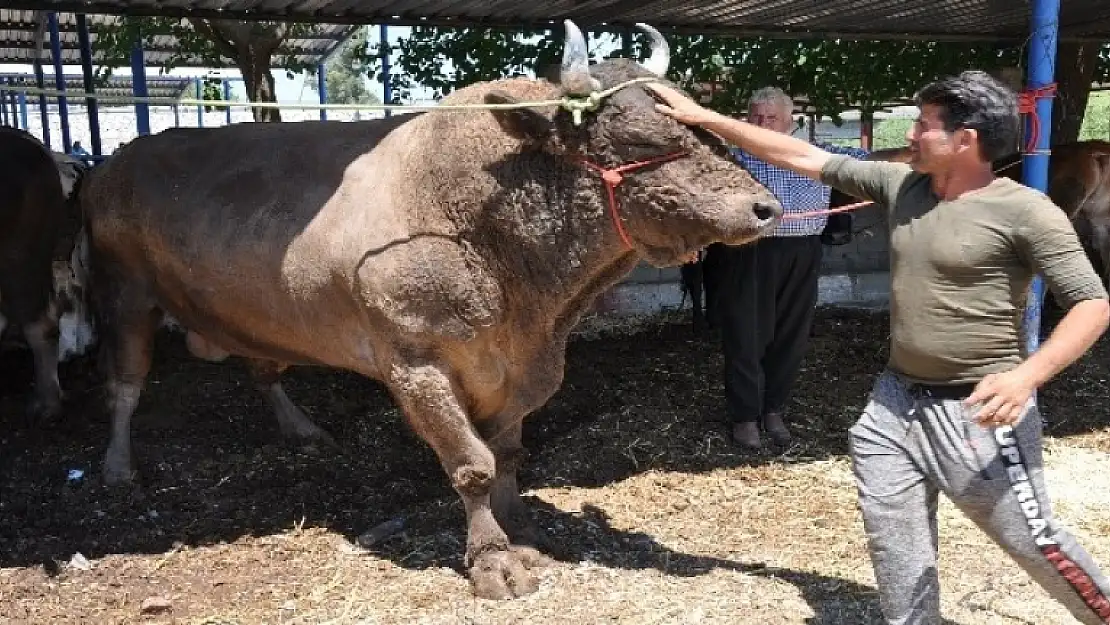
576 61
660 58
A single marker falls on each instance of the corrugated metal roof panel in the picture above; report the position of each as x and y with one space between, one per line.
17 32
934 19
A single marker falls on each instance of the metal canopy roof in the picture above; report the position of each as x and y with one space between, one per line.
865 19
17 41
115 86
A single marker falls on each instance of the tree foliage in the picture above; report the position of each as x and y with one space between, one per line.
253 47
346 73
832 74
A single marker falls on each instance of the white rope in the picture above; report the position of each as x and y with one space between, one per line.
576 106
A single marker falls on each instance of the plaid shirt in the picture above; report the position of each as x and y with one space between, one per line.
797 193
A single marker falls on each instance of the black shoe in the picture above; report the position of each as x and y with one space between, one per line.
774 426
746 435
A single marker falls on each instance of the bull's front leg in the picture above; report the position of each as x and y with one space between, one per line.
503 436
429 401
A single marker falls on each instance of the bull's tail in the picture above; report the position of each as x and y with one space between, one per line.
77 325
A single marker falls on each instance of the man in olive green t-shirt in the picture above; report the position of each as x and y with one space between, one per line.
954 412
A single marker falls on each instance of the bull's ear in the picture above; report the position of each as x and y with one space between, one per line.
526 124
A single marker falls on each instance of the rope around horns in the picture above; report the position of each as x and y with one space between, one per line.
575 105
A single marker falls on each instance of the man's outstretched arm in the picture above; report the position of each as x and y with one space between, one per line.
767 145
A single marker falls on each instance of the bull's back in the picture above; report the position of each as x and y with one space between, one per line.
244 233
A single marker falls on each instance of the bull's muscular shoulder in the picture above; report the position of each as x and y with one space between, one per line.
431 287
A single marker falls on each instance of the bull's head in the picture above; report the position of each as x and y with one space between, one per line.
671 208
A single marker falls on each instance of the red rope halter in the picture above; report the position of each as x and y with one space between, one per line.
612 177
1027 105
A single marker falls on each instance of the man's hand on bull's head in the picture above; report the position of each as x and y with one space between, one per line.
678 105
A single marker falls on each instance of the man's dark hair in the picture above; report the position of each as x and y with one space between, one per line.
977 101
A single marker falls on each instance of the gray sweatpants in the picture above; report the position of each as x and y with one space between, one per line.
906 448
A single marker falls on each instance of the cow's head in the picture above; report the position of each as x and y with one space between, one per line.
668 209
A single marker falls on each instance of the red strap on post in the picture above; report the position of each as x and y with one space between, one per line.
1027 105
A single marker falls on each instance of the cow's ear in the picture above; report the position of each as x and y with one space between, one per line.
526 124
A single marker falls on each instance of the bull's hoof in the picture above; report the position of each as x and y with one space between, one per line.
297 428
527 535
504 573
45 406
118 473
313 438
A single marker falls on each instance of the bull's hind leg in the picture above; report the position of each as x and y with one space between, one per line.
291 419
29 305
42 336
128 319
429 401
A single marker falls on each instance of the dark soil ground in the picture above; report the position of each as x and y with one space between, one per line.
229 519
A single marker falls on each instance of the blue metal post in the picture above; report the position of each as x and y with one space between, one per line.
44 111
26 124
15 105
22 112
59 78
227 98
92 105
1041 60
3 104
12 100
200 109
138 87
387 95
176 116
322 87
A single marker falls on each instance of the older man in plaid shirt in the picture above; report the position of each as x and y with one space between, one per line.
767 290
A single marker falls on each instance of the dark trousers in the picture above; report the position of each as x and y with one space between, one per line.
765 306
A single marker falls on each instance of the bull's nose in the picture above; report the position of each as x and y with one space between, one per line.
765 211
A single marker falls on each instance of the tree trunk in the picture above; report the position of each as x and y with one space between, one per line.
1075 69
251 46
259 82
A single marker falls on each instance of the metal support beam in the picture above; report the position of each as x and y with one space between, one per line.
322 87
176 116
92 105
1041 60
387 91
138 88
59 79
10 100
227 98
200 109
4 104
866 130
40 82
26 124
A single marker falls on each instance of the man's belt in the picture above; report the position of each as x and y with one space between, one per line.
940 391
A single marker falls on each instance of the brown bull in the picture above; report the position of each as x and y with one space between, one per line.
35 219
447 255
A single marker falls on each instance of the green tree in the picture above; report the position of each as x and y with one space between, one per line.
346 72
834 75
253 47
